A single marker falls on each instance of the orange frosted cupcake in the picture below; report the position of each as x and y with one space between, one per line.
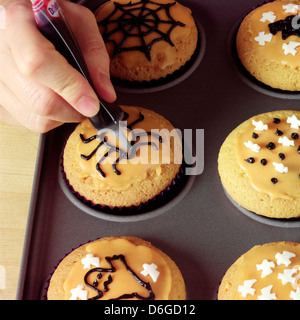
147 40
99 169
259 164
267 272
268 44
118 268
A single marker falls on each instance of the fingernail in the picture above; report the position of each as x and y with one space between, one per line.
88 106
106 84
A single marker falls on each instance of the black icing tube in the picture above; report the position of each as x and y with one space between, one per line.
55 27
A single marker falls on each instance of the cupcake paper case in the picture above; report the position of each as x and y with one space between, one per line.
147 40
117 268
268 42
259 164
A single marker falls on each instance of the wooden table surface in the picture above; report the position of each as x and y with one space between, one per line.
18 150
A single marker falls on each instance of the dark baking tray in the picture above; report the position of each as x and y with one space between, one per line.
203 231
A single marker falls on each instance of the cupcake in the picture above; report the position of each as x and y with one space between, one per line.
259 164
268 44
117 268
99 169
267 272
146 40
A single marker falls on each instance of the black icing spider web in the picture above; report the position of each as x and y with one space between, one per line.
138 20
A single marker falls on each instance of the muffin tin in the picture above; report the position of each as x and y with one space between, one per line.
198 227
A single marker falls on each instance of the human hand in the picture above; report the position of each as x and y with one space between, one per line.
38 88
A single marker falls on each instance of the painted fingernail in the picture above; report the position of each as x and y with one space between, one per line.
88 106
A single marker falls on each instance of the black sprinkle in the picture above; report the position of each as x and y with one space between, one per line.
263 162
278 132
298 150
274 180
295 135
271 146
276 120
281 156
250 160
254 135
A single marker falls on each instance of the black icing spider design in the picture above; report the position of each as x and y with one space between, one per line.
138 20
123 154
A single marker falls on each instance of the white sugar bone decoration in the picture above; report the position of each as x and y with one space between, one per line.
292 8
280 167
284 258
266 294
252 146
246 288
259 125
90 260
287 276
151 270
266 268
262 38
295 123
268 16
286 142
290 48
295 295
79 293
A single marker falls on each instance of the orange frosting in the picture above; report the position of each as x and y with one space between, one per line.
148 160
251 268
272 50
122 281
260 176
